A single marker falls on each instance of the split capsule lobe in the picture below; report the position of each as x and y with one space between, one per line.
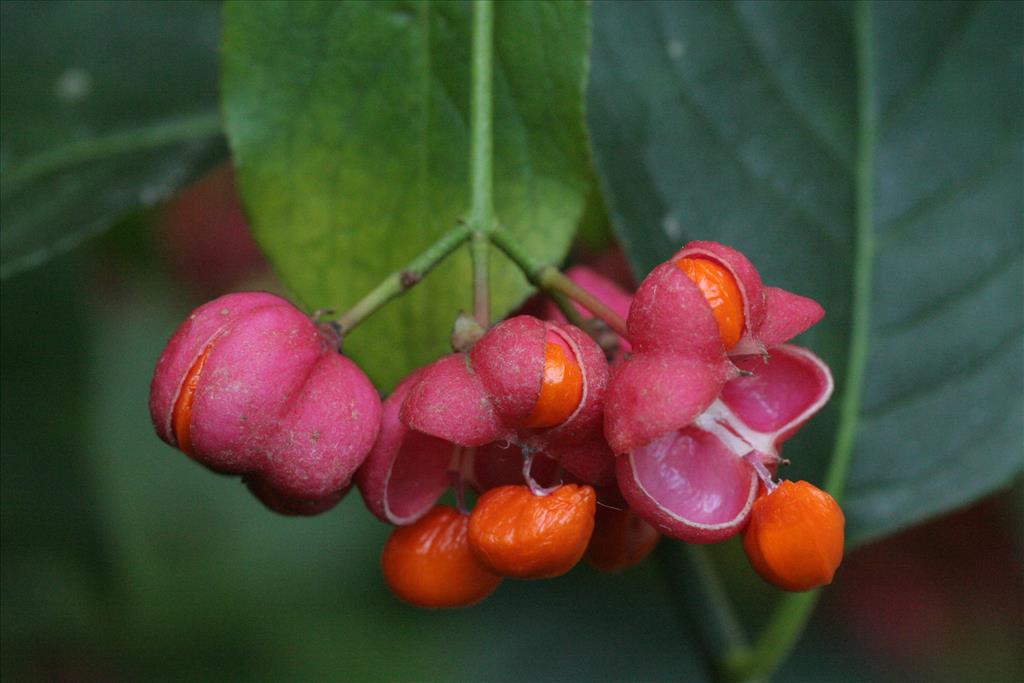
562 385
720 290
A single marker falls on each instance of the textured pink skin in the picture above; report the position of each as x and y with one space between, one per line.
592 462
748 280
606 290
485 396
273 402
772 316
407 471
670 313
292 507
788 315
254 371
655 393
448 401
188 341
693 483
509 360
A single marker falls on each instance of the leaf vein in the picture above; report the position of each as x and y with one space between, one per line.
952 298
963 372
770 77
690 103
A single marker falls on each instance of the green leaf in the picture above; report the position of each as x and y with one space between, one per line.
106 107
349 124
888 188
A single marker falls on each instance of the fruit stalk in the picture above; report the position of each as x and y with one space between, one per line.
481 153
704 604
552 280
399 281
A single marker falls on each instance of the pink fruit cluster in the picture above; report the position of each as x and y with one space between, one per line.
677 428
690 421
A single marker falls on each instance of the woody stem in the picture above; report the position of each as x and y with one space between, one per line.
399 281
551 280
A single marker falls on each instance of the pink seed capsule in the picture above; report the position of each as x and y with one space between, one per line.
249 385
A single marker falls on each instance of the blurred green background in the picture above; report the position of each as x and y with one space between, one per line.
122 560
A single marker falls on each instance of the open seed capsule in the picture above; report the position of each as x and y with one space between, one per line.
533 383
696 483
721 293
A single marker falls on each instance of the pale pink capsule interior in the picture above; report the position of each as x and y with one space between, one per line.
694 483
694 477
419 475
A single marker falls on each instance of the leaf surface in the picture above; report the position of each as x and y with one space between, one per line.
349 125
106 107
755 124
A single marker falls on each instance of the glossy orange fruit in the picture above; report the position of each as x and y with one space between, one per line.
561 390
514 532
621 539
428 563
181 415
720 290
795 536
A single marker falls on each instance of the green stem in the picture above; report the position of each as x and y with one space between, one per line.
399 281
102 147
481 215
481 156
780 636
481 170
571 313
703 602
775 641
479 249
550 279
864 255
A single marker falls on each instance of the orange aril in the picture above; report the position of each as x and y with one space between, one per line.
720 290
514 532
428 563
561 388
795 536
181 416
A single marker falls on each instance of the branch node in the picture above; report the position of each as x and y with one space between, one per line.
409 278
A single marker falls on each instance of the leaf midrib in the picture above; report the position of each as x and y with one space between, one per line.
864 253
126 141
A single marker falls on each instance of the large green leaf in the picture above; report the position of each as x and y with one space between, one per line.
898 174
349 127
106 107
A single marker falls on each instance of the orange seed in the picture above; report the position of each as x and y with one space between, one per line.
428 563
720 290
561 388
181 416
516 533
795 536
